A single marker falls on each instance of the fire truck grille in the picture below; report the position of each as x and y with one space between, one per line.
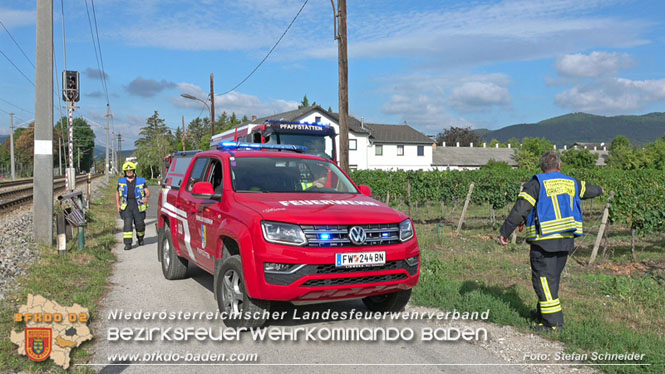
284 279
332 236
353 280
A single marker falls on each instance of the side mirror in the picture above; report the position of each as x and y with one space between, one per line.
203 190
365 190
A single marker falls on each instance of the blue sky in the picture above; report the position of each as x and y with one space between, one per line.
433 64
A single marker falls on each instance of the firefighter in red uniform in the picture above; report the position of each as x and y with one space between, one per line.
550 205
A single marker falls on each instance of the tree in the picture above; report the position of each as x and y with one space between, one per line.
492 164
579 158
305 103
452 135
84 142
330 109
624 156
155 142
528 156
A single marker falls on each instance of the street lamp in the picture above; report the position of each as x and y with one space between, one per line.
212 120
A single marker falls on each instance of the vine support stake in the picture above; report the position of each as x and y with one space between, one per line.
466 205
408 195
601 230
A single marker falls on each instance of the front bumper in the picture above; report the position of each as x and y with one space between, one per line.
318 279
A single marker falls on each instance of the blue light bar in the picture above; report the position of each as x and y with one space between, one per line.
324 236
298 123
238 145
385 234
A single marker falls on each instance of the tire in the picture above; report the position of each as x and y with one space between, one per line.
391 302
232 297
173 266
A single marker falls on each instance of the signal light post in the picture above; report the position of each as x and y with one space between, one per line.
70 93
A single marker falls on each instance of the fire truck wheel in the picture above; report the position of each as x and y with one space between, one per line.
391 302
232 298
173 266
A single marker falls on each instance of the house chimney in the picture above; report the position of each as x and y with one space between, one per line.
496 145
253 118
433 146
554 146
585 147
604 148
484 145
508 145
595 148
565 147
471 145
443 144
575 147
362 122
457 144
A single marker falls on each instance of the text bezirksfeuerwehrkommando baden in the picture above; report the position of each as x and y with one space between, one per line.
295 315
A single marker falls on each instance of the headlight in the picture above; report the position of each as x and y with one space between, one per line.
405 230
283 233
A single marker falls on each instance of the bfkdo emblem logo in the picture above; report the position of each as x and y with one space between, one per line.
38 343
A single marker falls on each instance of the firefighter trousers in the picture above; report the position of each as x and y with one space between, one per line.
546 268
131 215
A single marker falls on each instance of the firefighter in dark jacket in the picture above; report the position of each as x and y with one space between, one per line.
131 200
550 205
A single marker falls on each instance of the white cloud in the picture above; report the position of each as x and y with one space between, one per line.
431 102
16 18
241 104
612 96
595 64
474 96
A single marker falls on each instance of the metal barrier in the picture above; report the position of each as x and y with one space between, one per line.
73 212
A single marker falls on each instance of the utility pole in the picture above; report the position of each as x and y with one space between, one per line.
42 221
59 156
212 106
11 144
343 62
113 151
183 133
119 148
106 167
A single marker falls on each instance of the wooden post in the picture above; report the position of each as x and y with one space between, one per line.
607 240
408 196
388 197
601 230
466 205
632 244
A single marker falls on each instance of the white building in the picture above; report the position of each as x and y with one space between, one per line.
371 146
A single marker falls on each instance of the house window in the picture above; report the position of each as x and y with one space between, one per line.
400 150
421 150
378 150
317 119
353 144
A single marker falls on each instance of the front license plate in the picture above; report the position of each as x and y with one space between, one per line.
360 259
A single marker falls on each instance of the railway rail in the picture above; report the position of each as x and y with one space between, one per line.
8 201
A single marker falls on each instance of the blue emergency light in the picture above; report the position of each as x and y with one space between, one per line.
239 145
385 234
324 236
297 123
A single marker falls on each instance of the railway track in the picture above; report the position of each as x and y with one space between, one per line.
22 182
8 202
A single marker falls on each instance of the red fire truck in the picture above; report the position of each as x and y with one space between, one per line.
317 137
268 226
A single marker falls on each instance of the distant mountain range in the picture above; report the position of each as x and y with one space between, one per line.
101 152
586 128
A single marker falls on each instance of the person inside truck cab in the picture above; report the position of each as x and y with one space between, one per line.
319 178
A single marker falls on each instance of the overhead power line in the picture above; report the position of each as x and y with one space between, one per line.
16 106
19 46
270 51
17 68
99 45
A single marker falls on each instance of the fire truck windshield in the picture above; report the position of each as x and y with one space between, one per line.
321 146
280 174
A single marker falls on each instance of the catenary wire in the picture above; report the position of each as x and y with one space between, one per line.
18 45
270 51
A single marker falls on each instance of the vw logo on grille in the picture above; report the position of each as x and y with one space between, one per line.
357 235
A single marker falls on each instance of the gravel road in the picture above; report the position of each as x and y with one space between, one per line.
137 284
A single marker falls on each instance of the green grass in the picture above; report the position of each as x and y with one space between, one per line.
615 307
77 277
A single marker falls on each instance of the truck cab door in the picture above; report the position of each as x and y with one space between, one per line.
187 235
